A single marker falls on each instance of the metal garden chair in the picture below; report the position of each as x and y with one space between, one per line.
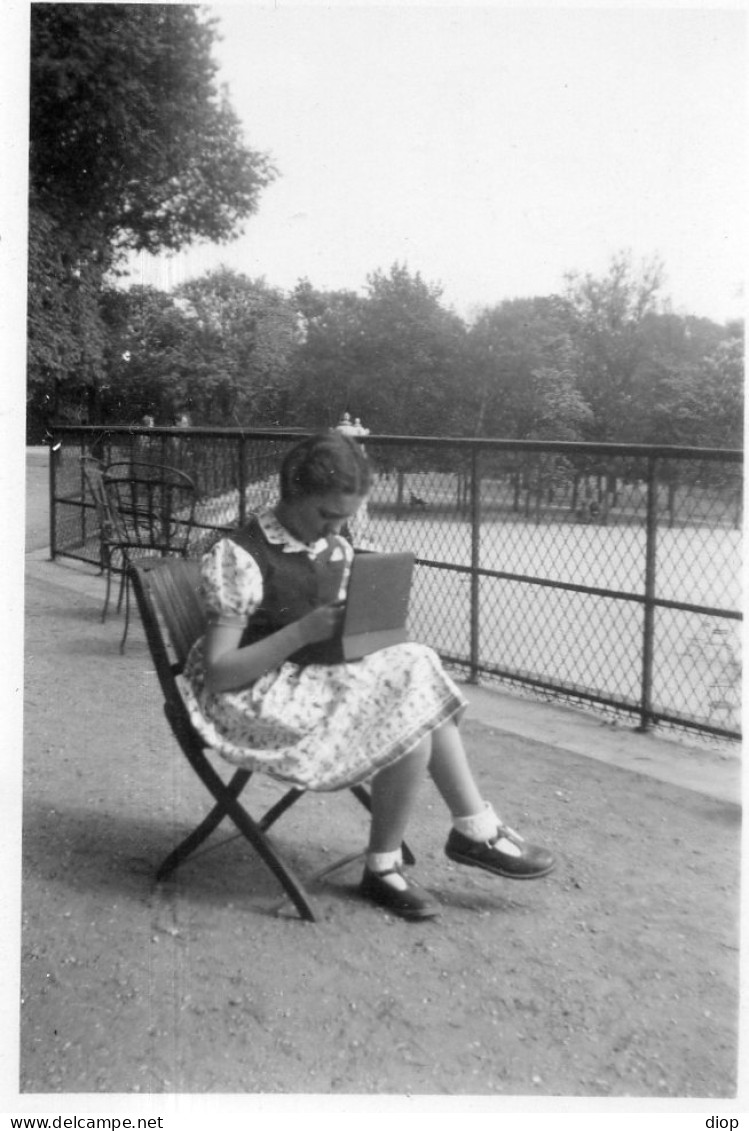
173 618
151 514
111 531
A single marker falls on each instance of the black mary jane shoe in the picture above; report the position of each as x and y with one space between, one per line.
412 902
506 854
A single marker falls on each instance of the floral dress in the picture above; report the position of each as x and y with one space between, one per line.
318 726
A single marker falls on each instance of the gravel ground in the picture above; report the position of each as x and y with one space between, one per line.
615 976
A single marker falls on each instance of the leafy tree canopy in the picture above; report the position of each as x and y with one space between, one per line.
239 338
146 370
131 142
132 147
325 367
410 355
607 317
219 348
509 343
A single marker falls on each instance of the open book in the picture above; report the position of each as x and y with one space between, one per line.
376 603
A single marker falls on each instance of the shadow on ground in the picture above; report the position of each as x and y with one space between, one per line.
617 975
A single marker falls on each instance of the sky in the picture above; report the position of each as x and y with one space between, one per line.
491 149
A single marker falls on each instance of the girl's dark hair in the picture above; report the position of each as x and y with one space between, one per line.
326 463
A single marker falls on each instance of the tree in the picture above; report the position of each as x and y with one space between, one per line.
132 147
237 349
218 348
326 376
606 318
698 398
509 345
724 399
146 367
410 357
131 142
65 337
393 357
558 409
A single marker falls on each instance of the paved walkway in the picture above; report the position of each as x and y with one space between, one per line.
616 977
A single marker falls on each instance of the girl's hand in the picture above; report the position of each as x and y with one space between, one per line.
229 667
322 623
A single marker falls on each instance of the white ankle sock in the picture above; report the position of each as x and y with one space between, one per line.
384 861
478 826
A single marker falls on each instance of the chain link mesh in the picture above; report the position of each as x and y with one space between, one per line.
555 569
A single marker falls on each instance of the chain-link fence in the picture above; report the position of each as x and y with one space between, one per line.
605 574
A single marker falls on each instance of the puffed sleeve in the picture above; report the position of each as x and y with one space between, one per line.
231 584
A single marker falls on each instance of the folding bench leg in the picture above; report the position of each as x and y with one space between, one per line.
204 829
265 850
277 810
228 806
360 792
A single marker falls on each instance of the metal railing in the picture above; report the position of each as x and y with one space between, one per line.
597 573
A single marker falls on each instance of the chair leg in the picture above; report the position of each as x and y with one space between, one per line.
186 847
229 806
102 555
106 596
127 611
337 865
123 579
257 838
360 792
279 808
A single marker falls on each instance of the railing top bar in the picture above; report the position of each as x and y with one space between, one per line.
728 455
577 447
158 430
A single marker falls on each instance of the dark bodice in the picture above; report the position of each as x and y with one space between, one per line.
293 585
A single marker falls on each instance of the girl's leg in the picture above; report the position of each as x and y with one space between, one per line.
394 791
451 773
478 836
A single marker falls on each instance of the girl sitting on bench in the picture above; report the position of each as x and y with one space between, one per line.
268 689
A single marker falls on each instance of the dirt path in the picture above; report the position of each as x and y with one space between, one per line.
615 976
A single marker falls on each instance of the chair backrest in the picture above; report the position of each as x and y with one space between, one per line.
155 504
172 613
93 473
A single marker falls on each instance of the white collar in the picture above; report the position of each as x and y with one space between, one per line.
278 535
